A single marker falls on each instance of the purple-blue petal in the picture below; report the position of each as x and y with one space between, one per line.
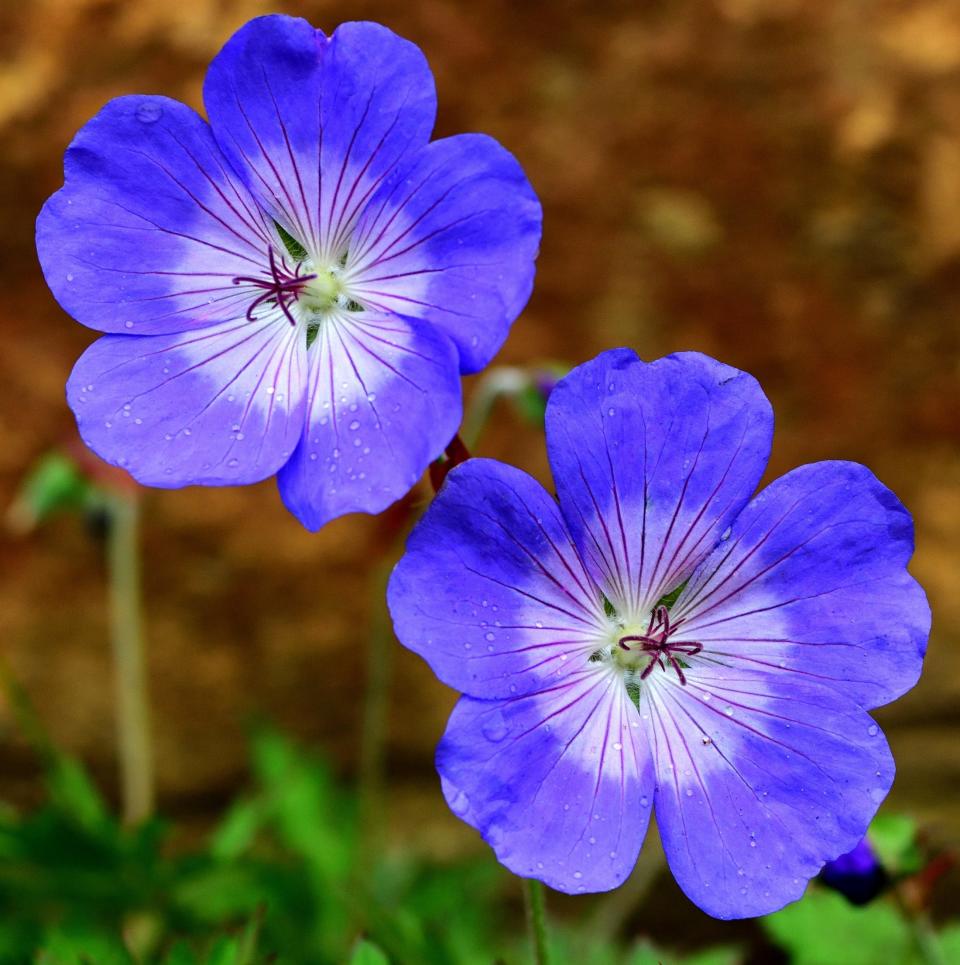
451 237
383 402
811 584
758 787
222 406
557 782
858 875
151 225
652 462
490 591
315 123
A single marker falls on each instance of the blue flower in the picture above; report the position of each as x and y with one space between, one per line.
659 638
858 875
295 287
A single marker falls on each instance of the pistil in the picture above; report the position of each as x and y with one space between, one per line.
282 287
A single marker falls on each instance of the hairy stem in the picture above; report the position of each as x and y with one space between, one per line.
533 893
130 678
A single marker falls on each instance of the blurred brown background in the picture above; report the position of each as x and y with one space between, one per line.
775 182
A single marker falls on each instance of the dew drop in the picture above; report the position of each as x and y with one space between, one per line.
872 730
354 425
128 324
490 635
459 804
149 113
618 746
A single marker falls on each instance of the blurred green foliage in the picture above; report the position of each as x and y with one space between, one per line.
276 881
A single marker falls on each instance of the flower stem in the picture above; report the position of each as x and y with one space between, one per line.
130 683
533 893
921 930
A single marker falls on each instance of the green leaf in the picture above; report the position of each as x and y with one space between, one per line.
81 943
949 941
225 951
366 953
53 485
668 599
294 248
824 927
530 404
73 793
238 830
894 837
181 954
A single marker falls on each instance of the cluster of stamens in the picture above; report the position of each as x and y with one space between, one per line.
281 286
655 642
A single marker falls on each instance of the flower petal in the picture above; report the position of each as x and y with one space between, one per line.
452 238
757 788
490 591
652 463
811 583
218 407
151 226
315 123
556 782
383 402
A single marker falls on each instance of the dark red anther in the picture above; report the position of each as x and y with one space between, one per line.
656 643
282 286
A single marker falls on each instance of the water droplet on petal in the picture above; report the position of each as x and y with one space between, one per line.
149 113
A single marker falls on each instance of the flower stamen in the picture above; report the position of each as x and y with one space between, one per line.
282 287
655 642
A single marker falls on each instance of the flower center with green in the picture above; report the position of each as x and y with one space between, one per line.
324 293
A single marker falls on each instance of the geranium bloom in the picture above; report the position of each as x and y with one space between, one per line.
656 639
858 875
294 287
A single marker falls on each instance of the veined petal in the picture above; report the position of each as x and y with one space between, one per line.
758 787
383 402
218 407
811 584
557 782
652 463
151 225
314 123
490 591
452 238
